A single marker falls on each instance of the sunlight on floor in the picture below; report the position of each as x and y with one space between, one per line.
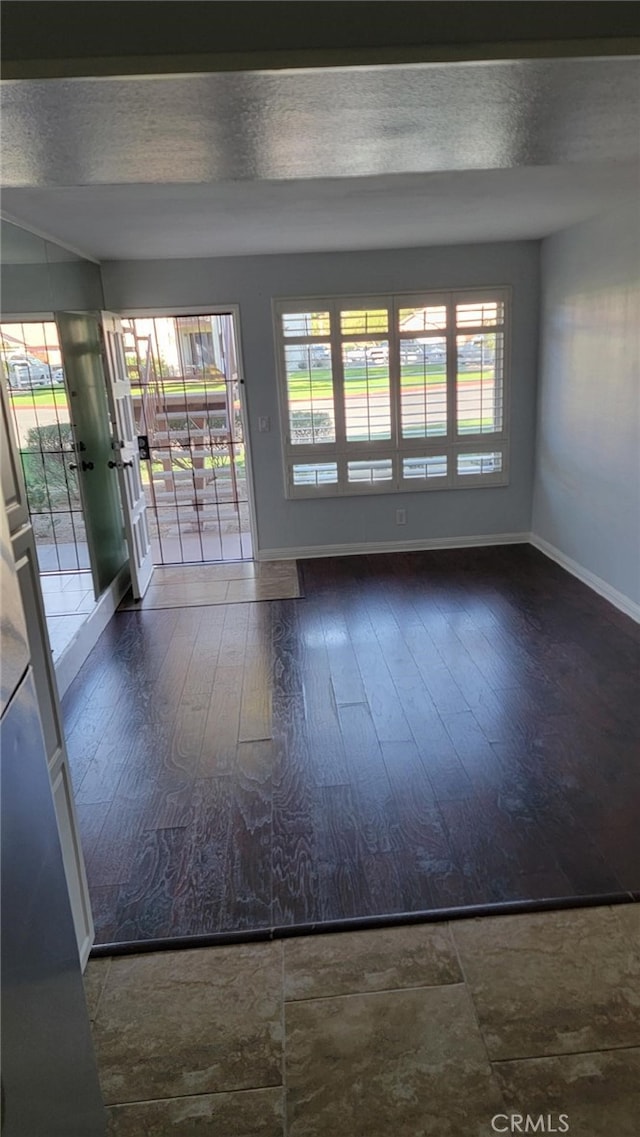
68 599
187 586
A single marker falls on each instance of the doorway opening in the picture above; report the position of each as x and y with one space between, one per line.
187 404
34 377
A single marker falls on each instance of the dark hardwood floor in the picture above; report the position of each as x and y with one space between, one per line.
420 731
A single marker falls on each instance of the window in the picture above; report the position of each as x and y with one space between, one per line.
398 393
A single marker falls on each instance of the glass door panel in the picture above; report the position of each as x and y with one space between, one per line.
82 353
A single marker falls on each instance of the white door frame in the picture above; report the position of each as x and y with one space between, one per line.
125 454
217 310
14 503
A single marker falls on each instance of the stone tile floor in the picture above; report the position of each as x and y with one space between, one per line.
443 1029
240 582
68 599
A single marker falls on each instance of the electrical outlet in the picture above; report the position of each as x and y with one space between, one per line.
264 424
401 517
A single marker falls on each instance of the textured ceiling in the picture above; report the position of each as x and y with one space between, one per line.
199 165
394 211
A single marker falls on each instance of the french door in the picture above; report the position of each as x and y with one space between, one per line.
81 348
126 456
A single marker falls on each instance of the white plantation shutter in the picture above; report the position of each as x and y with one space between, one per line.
385 394
366 382
310 398
423 387
479 352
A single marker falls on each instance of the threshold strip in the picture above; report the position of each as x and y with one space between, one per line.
359 924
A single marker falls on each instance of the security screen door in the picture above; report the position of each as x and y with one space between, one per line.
32 370
189 410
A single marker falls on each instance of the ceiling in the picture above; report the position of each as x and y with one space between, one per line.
348 158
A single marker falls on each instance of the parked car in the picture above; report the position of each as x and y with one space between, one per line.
378 354
26 371
475 355
355 355
434 352
410 352
319 356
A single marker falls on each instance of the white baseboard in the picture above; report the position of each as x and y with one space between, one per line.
618 599
304 551
74 655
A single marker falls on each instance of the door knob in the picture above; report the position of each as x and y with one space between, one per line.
87 465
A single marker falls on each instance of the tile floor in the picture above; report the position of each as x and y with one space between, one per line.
428 1029
239 582
68 599
171 547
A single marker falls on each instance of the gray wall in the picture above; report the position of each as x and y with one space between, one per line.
252 282
39 277
587 485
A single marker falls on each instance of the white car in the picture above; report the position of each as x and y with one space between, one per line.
410 353
378 354
355 355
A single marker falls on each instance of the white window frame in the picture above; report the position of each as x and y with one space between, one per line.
395 448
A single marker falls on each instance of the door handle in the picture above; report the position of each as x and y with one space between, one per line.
83 466
118 465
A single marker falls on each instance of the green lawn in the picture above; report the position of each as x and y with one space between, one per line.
42 396
178 387
182 461
57 396
358 381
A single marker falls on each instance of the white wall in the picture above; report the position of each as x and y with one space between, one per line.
587 483
252 282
